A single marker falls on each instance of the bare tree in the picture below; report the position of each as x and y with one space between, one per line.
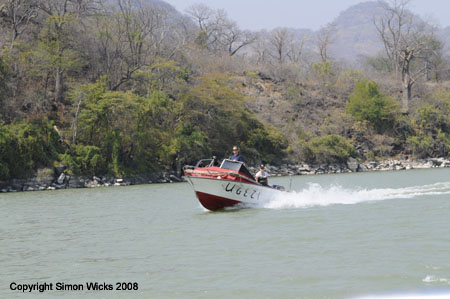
296 48
19 13
280 40
234 39
325 37
217 32
259 48
390 27
130 37
409 44
202 15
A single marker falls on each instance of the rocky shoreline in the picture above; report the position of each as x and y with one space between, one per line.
353 165
53 179
48 179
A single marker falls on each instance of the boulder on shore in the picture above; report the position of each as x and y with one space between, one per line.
353 164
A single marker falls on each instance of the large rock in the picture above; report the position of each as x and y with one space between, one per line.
61 178
174 178
352 164
77 182
446 163
92 183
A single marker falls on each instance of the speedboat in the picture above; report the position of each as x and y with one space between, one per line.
228 185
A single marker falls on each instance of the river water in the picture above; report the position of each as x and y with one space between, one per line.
335 236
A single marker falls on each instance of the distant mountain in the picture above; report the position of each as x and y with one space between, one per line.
164 4
160 3
356 34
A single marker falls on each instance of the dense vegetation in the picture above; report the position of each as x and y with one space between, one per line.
130 87
122 133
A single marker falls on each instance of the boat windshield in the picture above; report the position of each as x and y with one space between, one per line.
237 166
206 163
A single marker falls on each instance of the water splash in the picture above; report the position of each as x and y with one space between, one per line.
434 279
316 195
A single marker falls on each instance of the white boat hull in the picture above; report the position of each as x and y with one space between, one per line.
215 194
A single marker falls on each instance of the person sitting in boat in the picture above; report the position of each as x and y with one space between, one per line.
236 156
262 175
214 161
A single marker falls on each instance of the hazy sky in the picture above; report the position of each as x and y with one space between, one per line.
312 14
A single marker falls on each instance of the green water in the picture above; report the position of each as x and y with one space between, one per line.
335 236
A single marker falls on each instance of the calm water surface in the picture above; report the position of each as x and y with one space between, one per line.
335 236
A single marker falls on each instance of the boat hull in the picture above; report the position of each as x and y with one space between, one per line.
216 194
214 202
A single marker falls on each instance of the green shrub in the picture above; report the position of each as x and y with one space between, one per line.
430 119
431 126
84 159
368 104
268 145
8 145
323 72
421 146
327 149
188 145
4 76
26 146
323 69
254 75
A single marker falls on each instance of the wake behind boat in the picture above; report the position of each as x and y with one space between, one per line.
227 185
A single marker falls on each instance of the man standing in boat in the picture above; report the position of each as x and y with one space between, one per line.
236 155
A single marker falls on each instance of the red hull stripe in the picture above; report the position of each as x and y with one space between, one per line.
213 202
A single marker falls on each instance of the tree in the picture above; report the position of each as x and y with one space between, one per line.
216 32
56 50
201 13
296 48
130 38
57 37
4 77
19 15
234 39
409 44
279 42
325 37
259 48
204 17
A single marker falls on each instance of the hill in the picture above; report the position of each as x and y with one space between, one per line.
356 34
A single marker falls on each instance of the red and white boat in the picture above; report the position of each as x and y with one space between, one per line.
227 185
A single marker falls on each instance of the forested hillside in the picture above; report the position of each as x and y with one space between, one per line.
124 88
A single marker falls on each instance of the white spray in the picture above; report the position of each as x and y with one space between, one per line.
316 195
